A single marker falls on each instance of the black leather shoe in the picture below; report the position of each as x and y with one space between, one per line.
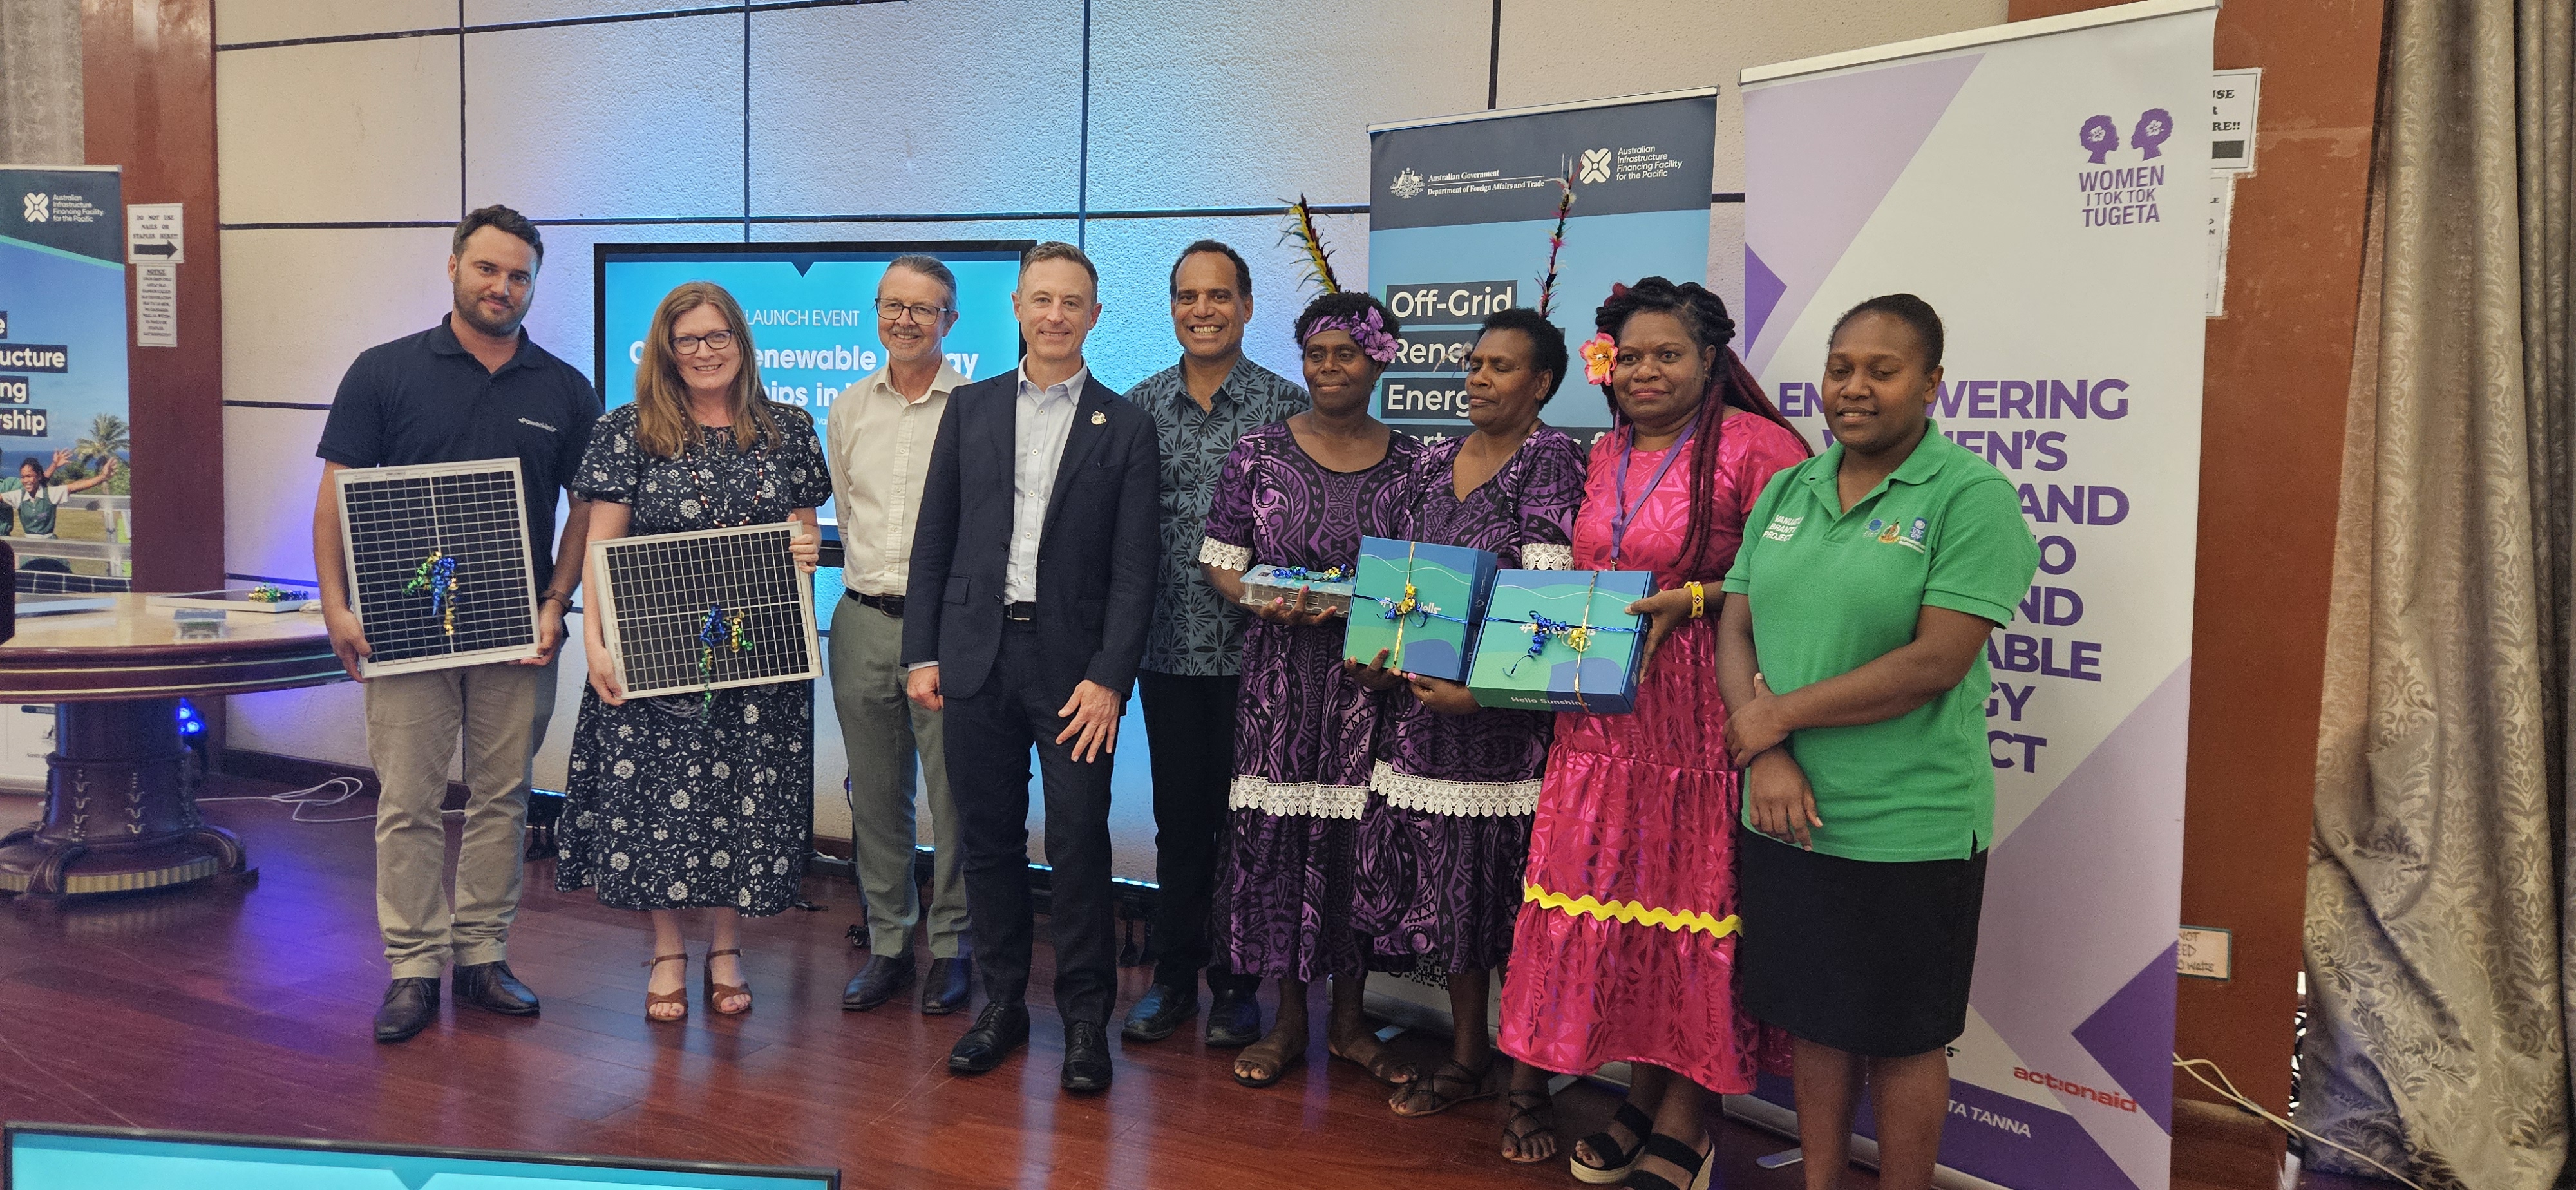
1234 1020
1160 1013
410 1005
1086 1058
1001 1029
491 987
877 983
946 988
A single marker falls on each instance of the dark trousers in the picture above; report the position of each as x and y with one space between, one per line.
988 739
1190 723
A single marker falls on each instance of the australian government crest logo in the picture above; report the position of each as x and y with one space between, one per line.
1407 184
2116 194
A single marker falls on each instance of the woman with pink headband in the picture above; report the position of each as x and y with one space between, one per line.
1302 493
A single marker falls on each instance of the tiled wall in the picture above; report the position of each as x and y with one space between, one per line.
351 131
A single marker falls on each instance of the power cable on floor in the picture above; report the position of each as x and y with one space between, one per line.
2227 1090
312 797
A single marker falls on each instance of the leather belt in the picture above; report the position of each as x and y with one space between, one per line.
891 605
1019 611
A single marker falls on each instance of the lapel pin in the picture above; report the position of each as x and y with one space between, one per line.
1098 418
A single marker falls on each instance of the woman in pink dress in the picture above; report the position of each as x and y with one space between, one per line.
1625 946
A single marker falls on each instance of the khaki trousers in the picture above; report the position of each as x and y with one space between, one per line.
885 734
414 723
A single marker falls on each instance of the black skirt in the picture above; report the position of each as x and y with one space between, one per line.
1868 958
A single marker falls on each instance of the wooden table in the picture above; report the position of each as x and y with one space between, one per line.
120 815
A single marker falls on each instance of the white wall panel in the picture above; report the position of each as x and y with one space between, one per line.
926 229
1250 104
904 108
300 304
349 131
270 478
637 118
238 21
1135 258
562 317
494 12
327 723
1555 53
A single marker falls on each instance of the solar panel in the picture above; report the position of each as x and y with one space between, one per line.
438 564
684 613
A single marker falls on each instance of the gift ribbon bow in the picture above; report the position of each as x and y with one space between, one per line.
1299 574
272 593
436 575
720 631
1408 610
1577 636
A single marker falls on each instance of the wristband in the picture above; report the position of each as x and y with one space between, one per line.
1699 600
555 597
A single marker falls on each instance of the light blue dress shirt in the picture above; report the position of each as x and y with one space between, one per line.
1040 424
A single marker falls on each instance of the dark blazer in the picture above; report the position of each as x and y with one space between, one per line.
1096 554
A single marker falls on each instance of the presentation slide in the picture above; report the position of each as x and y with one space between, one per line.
812 309
58 1161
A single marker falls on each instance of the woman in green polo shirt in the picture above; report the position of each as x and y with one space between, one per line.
1851 655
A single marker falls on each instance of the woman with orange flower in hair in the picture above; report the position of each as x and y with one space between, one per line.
1636 812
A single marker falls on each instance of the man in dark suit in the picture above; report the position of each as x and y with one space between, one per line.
1032 581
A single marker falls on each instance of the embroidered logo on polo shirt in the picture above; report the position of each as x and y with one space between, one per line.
1782 528
538 424
1891 532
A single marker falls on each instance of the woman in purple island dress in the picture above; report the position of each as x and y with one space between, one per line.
1302 493
1448 825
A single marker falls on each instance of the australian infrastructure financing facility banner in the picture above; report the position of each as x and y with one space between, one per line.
63 438
1460 209
2031 182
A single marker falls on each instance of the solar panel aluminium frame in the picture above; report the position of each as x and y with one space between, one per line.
603 576
359 601
534 1163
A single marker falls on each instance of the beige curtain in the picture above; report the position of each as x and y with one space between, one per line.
2437 1026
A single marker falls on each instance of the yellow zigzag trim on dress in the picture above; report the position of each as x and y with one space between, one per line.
1633 913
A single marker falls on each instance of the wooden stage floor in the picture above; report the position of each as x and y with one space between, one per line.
248 1012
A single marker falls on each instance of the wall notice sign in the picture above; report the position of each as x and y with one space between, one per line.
2222 210
2231 119
156 305
152 234
2203 953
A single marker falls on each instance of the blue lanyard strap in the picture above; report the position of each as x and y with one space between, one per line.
1628 512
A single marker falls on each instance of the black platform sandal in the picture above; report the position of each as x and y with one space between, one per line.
1605 1145
1696 1166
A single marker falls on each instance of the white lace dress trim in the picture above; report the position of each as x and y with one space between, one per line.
1536 556
1228 557
1454 799
1283 799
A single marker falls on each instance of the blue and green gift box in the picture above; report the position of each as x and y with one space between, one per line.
1418 602
1561 640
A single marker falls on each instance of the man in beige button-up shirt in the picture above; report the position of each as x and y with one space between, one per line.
881 431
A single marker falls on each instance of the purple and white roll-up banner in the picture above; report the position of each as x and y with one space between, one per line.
2035 184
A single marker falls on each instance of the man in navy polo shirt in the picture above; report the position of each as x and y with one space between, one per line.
472 387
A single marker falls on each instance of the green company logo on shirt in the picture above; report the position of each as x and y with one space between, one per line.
1782 527
1892 532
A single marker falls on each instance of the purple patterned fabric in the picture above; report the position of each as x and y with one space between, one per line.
1303 731
1441 848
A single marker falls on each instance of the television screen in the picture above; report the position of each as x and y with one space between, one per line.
66 1157
812 309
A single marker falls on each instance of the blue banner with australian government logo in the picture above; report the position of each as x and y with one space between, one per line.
1459 215
63 435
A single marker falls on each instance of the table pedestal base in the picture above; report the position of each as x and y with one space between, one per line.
119 815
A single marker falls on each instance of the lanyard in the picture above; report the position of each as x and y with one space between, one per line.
1628 512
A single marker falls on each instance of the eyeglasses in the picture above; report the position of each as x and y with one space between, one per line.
714 341
893 311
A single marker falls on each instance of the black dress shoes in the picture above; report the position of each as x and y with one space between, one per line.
945 989
877 983
1001 1029
1086 1058
1160 1013
491 987
410 1005
1234 1019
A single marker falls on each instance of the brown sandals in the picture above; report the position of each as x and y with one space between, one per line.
653 999
717 993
